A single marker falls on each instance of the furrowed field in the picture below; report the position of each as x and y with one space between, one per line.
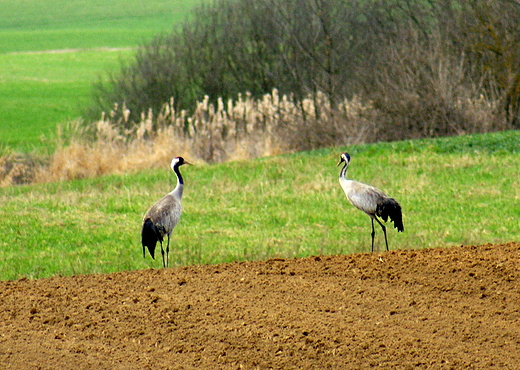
51 52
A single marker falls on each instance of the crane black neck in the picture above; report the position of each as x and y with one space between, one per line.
178 173
343 172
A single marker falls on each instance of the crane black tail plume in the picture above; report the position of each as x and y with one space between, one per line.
149 237
390 208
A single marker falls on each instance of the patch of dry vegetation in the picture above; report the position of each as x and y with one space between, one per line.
240 129
18 168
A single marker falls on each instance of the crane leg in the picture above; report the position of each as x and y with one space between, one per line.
373 234
167 250
384 231
162 252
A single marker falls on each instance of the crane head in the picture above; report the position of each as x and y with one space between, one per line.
178 161
344 157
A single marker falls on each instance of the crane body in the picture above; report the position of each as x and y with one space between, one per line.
370 200
160 220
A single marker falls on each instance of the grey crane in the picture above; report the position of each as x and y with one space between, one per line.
370 200
163 216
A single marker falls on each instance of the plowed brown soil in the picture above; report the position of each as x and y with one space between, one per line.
437 308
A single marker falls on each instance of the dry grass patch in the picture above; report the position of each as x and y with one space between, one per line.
240 129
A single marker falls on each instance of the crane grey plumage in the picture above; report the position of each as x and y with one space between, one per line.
163 216
370 200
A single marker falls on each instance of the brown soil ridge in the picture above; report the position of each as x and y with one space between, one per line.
441 308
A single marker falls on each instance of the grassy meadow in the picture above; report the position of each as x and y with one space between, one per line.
52 51
453 191
460 190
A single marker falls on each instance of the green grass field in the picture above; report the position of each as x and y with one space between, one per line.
453 191
40 87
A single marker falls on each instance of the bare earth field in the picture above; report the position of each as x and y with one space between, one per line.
437 308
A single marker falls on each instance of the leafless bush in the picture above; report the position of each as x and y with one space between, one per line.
423 91
229 47
446 67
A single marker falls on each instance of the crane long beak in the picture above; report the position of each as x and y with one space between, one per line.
340 162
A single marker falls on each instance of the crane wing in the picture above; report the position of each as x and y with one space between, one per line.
149 237
364 197
389 207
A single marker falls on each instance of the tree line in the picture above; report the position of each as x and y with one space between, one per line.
429 68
